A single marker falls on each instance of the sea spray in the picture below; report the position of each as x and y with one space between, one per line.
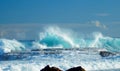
55 37
96 40
7 45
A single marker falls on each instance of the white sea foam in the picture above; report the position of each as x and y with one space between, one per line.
7 45
90 61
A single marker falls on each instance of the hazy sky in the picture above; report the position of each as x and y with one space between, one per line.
102 15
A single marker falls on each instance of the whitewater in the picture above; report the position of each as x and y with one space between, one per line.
61 48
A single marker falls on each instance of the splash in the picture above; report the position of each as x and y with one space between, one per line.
55 37
109 43
96 41
7 45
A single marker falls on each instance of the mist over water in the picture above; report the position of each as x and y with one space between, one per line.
30 31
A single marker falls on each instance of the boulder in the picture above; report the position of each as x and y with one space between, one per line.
48 68
79 68
106 53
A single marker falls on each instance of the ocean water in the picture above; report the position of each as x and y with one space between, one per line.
61 48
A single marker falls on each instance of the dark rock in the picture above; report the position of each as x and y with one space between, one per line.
48 68
106 53
79 68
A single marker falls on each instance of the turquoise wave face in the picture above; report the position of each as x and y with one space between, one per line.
55 37
112 44
54 40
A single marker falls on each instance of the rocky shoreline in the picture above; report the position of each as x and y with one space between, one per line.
48 68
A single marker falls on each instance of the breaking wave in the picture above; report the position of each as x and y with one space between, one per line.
61 38
7 46
55 37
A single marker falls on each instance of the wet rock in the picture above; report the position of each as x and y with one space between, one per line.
48 68
79 68
106 53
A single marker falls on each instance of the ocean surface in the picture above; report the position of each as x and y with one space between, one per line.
60 48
